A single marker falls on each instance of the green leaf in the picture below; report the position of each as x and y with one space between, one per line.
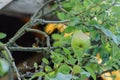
45 60
107 47
76 69
38 74
84 75
56 57
57 43
71 60
35 65
61 15
65 69
56 36
69 29
48 68
93 66
2 35
52 73
115 66
3 51
98 1
116 11
78 53
67 51
108 33
61 76
91 72
86 3
68 5
4 67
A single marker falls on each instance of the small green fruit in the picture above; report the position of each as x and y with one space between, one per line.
4 67
80 41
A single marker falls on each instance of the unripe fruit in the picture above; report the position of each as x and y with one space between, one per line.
4 67
80 41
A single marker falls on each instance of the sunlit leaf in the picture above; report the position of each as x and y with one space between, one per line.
45 60
66 50
35 65
65 69
4 67
92 73
38 74
48 68
56 36
76 69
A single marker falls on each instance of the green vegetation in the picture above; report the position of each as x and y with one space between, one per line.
99 18
74 58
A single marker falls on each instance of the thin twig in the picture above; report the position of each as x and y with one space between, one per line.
108 7
10 73
13 63
39 10
20 32
41 70
90 7
40 21
60 6
2 55
30 49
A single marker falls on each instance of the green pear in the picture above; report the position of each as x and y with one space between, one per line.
4 67
80 41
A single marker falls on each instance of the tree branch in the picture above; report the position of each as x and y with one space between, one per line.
40 32
29 24
41 21
13 63
29 49
36 14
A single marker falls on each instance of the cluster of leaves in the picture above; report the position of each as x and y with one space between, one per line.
4 66
99 18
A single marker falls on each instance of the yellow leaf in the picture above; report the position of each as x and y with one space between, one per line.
87 33
68 34
99 58
50 28
61 27
114 75
106 76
